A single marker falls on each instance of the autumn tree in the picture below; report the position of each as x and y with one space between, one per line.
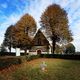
18 36
21 40
8 38
27 25
25 28
55 21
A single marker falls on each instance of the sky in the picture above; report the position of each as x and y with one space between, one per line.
12 10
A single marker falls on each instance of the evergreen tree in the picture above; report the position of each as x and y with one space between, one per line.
9 34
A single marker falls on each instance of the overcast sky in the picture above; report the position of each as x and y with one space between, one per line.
12 10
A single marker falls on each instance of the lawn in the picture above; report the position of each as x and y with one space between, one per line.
57 69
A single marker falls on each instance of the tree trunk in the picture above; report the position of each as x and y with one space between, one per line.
10 48
54 37
25 51
53 43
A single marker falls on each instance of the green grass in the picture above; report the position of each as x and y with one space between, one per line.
57 69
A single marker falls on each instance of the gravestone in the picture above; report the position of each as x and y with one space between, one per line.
43 66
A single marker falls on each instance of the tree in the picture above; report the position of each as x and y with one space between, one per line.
55 21
27 25
70 49
21 40
25 28
8 40
58 49
3 48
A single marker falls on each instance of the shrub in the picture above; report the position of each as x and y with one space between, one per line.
70 49
8 61
31 57
62 56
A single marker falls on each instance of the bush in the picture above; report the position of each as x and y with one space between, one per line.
7 54
31 57
70 49
8 61
61 56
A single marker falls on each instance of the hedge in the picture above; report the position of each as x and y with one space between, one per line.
10 54
31 57
61 56
8 61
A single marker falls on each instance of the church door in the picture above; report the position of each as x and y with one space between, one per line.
38 51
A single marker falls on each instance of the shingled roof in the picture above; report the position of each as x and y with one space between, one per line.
40 39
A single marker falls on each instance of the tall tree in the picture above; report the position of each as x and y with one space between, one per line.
55 21
8 40
27 25
25 28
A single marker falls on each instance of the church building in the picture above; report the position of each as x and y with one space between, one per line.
40 44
